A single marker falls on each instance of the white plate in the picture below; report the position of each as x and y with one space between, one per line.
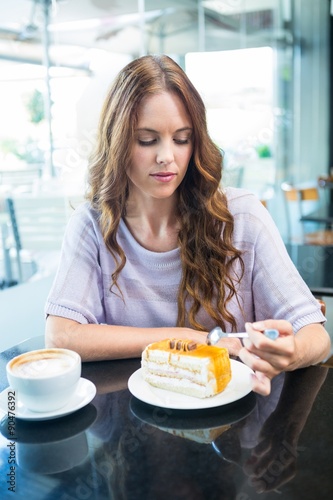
238 387
84 393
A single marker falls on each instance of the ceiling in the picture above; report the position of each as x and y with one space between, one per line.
78 27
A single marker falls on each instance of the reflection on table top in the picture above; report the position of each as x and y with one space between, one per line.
118 447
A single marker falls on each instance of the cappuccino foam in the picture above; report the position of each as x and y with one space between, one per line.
47 365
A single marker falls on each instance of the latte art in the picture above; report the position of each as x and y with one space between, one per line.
37 366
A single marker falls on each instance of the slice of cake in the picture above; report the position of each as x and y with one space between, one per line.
205 436
183 366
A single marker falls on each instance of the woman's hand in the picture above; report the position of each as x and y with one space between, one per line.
266 357
233 345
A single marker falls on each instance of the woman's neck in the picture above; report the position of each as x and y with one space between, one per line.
154 226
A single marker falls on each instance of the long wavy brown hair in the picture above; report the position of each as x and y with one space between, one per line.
206 225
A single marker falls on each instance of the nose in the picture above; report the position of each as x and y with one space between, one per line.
165 154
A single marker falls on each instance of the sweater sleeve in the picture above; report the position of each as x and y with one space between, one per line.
76 292
278 290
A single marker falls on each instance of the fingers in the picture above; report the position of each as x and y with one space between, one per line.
276 354
261 384
258 363
257 338
282 325
267 357
233 345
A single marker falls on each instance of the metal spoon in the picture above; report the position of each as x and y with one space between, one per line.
217 334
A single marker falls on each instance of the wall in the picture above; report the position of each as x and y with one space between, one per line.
311 89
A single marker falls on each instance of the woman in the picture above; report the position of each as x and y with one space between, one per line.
159 250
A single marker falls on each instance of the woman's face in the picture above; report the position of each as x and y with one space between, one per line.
162 147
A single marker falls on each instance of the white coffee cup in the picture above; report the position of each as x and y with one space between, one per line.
45 379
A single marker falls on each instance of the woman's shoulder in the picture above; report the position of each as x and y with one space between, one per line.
250 216
241 200
84 211
84 216
252 221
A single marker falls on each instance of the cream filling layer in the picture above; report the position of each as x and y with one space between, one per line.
183 386
200 375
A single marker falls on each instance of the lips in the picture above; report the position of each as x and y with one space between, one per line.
164 176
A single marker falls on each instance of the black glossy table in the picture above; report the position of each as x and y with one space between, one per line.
315 265
116 447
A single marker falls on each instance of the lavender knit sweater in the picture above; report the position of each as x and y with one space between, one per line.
271 286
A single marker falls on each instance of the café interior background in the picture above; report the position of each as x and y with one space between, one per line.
262 67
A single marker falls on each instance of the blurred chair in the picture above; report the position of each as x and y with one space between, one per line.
265 200
38 225
325 181
300 201
322 305
6 278
329 362
266 196
22 179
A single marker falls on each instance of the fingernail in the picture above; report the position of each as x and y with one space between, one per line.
258 325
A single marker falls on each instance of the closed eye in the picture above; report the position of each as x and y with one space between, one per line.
146 143
182 141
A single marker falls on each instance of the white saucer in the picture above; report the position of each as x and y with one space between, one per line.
84 393
239 386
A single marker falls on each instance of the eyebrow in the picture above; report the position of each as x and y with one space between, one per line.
146 129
